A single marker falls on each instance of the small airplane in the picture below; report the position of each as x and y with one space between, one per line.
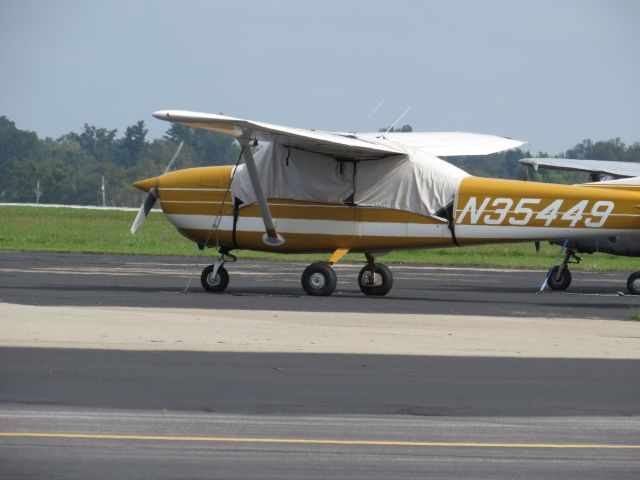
559 277
339 192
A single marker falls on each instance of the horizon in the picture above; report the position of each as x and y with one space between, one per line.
542 71
524 148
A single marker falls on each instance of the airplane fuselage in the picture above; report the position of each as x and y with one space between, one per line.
200 204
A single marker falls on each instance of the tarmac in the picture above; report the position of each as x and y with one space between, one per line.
160 282
108 369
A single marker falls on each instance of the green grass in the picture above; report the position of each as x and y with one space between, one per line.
95 231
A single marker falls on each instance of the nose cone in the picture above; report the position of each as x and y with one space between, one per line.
147 184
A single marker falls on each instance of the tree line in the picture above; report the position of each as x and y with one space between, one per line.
70 169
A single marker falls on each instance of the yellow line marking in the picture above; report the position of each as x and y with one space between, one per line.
312 441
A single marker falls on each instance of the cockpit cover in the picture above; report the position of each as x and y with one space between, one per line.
416 181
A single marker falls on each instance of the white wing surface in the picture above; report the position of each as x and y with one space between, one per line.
450 144
361 146
323 143
602 167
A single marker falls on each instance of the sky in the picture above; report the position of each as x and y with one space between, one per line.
548 72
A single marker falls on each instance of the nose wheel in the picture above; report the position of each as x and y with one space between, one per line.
215 278
214 283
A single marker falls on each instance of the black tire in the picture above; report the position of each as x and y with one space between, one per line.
214 285
378 285
633 283
559 283
319 280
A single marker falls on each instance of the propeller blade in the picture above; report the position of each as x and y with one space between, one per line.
152 196
175 155
147 205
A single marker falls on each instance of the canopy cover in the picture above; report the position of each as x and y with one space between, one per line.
415 181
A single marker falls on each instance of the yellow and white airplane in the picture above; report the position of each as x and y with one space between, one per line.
316 191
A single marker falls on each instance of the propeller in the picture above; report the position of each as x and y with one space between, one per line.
147 205
152 196
173 159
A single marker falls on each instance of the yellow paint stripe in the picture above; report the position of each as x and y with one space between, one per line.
315 441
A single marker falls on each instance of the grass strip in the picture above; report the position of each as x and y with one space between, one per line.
26 228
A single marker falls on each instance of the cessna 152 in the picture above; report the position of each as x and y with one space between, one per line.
316 191
559 277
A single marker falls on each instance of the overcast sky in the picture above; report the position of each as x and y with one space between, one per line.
548 72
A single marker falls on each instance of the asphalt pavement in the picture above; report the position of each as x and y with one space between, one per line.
140 281
258 383
110 444
114 414
73 413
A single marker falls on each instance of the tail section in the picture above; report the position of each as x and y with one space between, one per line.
508 209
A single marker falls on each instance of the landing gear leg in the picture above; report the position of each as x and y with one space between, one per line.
215 277
375 278
559 277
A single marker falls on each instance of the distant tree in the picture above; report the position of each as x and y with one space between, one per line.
633 153
404 128
134 141
100 143
613 149
210 148
496 165
16 143
70 168
179 133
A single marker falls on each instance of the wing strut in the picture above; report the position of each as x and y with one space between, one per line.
271 237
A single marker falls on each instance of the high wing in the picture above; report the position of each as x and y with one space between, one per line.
362 146
597 167
450 144
323 143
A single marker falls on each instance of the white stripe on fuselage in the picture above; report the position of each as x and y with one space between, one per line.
384 229
311 227
515 233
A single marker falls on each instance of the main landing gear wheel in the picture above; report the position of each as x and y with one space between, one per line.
559 281
375 279
633 283
319 280
217 284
